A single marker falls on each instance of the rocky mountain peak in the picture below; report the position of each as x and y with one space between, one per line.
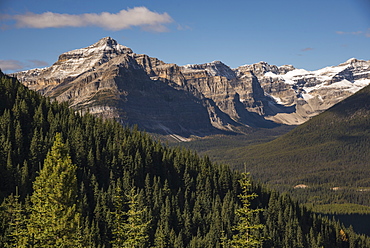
105 47
355 62
110 80
106 41
214 68
75 63
351 61
285 69
259 68
109 44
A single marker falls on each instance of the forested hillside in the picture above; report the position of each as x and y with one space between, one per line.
115 185
329 154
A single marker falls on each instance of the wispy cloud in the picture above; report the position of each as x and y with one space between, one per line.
16 65
138 16
183 27
365 33
307 49
38 63
11 65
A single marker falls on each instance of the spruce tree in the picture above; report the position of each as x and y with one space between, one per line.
17 233
130 229
54 217
246 229
119 219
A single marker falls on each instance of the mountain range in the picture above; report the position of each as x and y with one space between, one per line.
110 181
324 160
110 80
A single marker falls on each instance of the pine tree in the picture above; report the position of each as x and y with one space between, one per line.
119 219
54 218
246 229
17 232
130 228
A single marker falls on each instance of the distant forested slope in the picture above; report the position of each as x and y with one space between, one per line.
331 151
183 200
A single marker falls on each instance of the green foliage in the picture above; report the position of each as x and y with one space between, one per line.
130 229
346 208
189 201
330 150
119 219
17 232
54 219
246 230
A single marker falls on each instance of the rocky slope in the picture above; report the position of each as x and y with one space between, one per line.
308 92
108 79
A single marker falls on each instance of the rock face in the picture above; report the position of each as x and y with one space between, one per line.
110 80
307 93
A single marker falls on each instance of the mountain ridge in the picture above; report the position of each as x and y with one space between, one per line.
326 157
186 200
110 80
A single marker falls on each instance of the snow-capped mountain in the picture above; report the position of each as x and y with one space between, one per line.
310 92
76 62
112 81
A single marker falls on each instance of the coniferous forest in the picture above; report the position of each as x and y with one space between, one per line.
71 180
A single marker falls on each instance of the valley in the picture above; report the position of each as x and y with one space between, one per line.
100 175
234 116
328 153
322 163
302 133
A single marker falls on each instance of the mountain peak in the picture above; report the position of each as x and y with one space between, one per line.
76 61
214 68
356 63
351 60
106 41
104 45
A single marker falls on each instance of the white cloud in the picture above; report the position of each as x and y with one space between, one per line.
138 16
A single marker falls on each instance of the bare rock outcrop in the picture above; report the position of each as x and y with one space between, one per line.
109 80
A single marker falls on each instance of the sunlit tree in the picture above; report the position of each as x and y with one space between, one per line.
54 217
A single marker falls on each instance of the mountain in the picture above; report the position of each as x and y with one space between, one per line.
309 92
174 197
110 80
336 141
324 160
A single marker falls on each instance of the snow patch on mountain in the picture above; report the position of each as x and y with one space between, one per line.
104 46
323 78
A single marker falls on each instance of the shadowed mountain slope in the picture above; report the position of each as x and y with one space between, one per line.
110 80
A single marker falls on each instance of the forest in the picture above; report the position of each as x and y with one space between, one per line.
72 180
329 154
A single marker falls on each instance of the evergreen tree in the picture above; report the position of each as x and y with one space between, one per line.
17 233
130 229
119 219
54 218
190 201
246 230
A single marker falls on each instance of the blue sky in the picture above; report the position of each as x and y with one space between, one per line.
307 34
